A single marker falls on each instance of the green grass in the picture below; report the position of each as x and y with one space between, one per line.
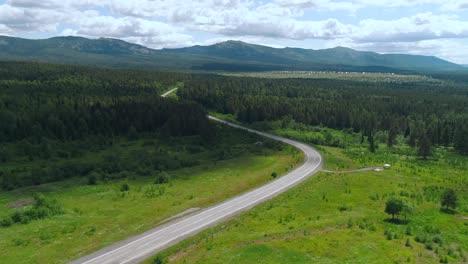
350 76
339 218
98 215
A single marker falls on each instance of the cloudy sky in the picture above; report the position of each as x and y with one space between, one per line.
428 27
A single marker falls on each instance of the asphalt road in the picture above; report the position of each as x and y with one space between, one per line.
136 249
168 92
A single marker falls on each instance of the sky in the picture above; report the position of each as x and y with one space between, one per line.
422 27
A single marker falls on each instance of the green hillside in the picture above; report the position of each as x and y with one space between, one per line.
225 56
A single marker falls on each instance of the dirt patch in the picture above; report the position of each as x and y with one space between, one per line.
20 203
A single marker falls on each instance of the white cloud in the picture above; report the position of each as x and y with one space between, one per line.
424 26
150 33
19 19
171 23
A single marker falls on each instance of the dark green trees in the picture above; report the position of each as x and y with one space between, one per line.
461 137
430 114
449 199
392 134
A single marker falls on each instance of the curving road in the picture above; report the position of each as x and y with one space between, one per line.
141 247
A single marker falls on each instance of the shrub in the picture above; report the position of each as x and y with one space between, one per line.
408 243
125 187
409 231
158 260
92 179
274 175
428 245
389 236
344 207
162 178
437 239
6 222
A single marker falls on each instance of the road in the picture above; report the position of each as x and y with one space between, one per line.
136 249
356 170
168 92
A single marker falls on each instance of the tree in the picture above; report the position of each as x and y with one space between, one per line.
392 134
92 179
132 133
370 139
449 199
424 147
274 175
394 206
461 139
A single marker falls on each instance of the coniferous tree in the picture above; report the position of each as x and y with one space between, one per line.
392 134
449 199
424 146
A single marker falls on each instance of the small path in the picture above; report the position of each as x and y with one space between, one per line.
168 92
357 170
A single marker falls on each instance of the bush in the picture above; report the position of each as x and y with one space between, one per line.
437 239
274 175
16 217
125 187
344 207
389 236
444 259
408 243
162 178
428 245
409 231
158 260
92 179
42 208
6 222
421 238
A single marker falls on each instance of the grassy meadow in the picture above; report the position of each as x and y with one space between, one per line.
340 218
333 75
96 215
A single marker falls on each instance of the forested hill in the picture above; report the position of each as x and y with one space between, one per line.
226 56
47 111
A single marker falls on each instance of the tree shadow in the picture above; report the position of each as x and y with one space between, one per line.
447 210
397 221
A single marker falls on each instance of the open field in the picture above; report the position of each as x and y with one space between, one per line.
98 215
338 218
333 75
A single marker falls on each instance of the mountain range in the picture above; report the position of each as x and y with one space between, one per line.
224 56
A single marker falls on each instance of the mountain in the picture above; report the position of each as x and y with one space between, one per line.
227 56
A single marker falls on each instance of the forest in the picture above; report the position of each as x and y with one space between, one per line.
51 111
426 113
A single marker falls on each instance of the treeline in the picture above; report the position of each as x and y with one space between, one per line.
70 119
69 103
434 113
